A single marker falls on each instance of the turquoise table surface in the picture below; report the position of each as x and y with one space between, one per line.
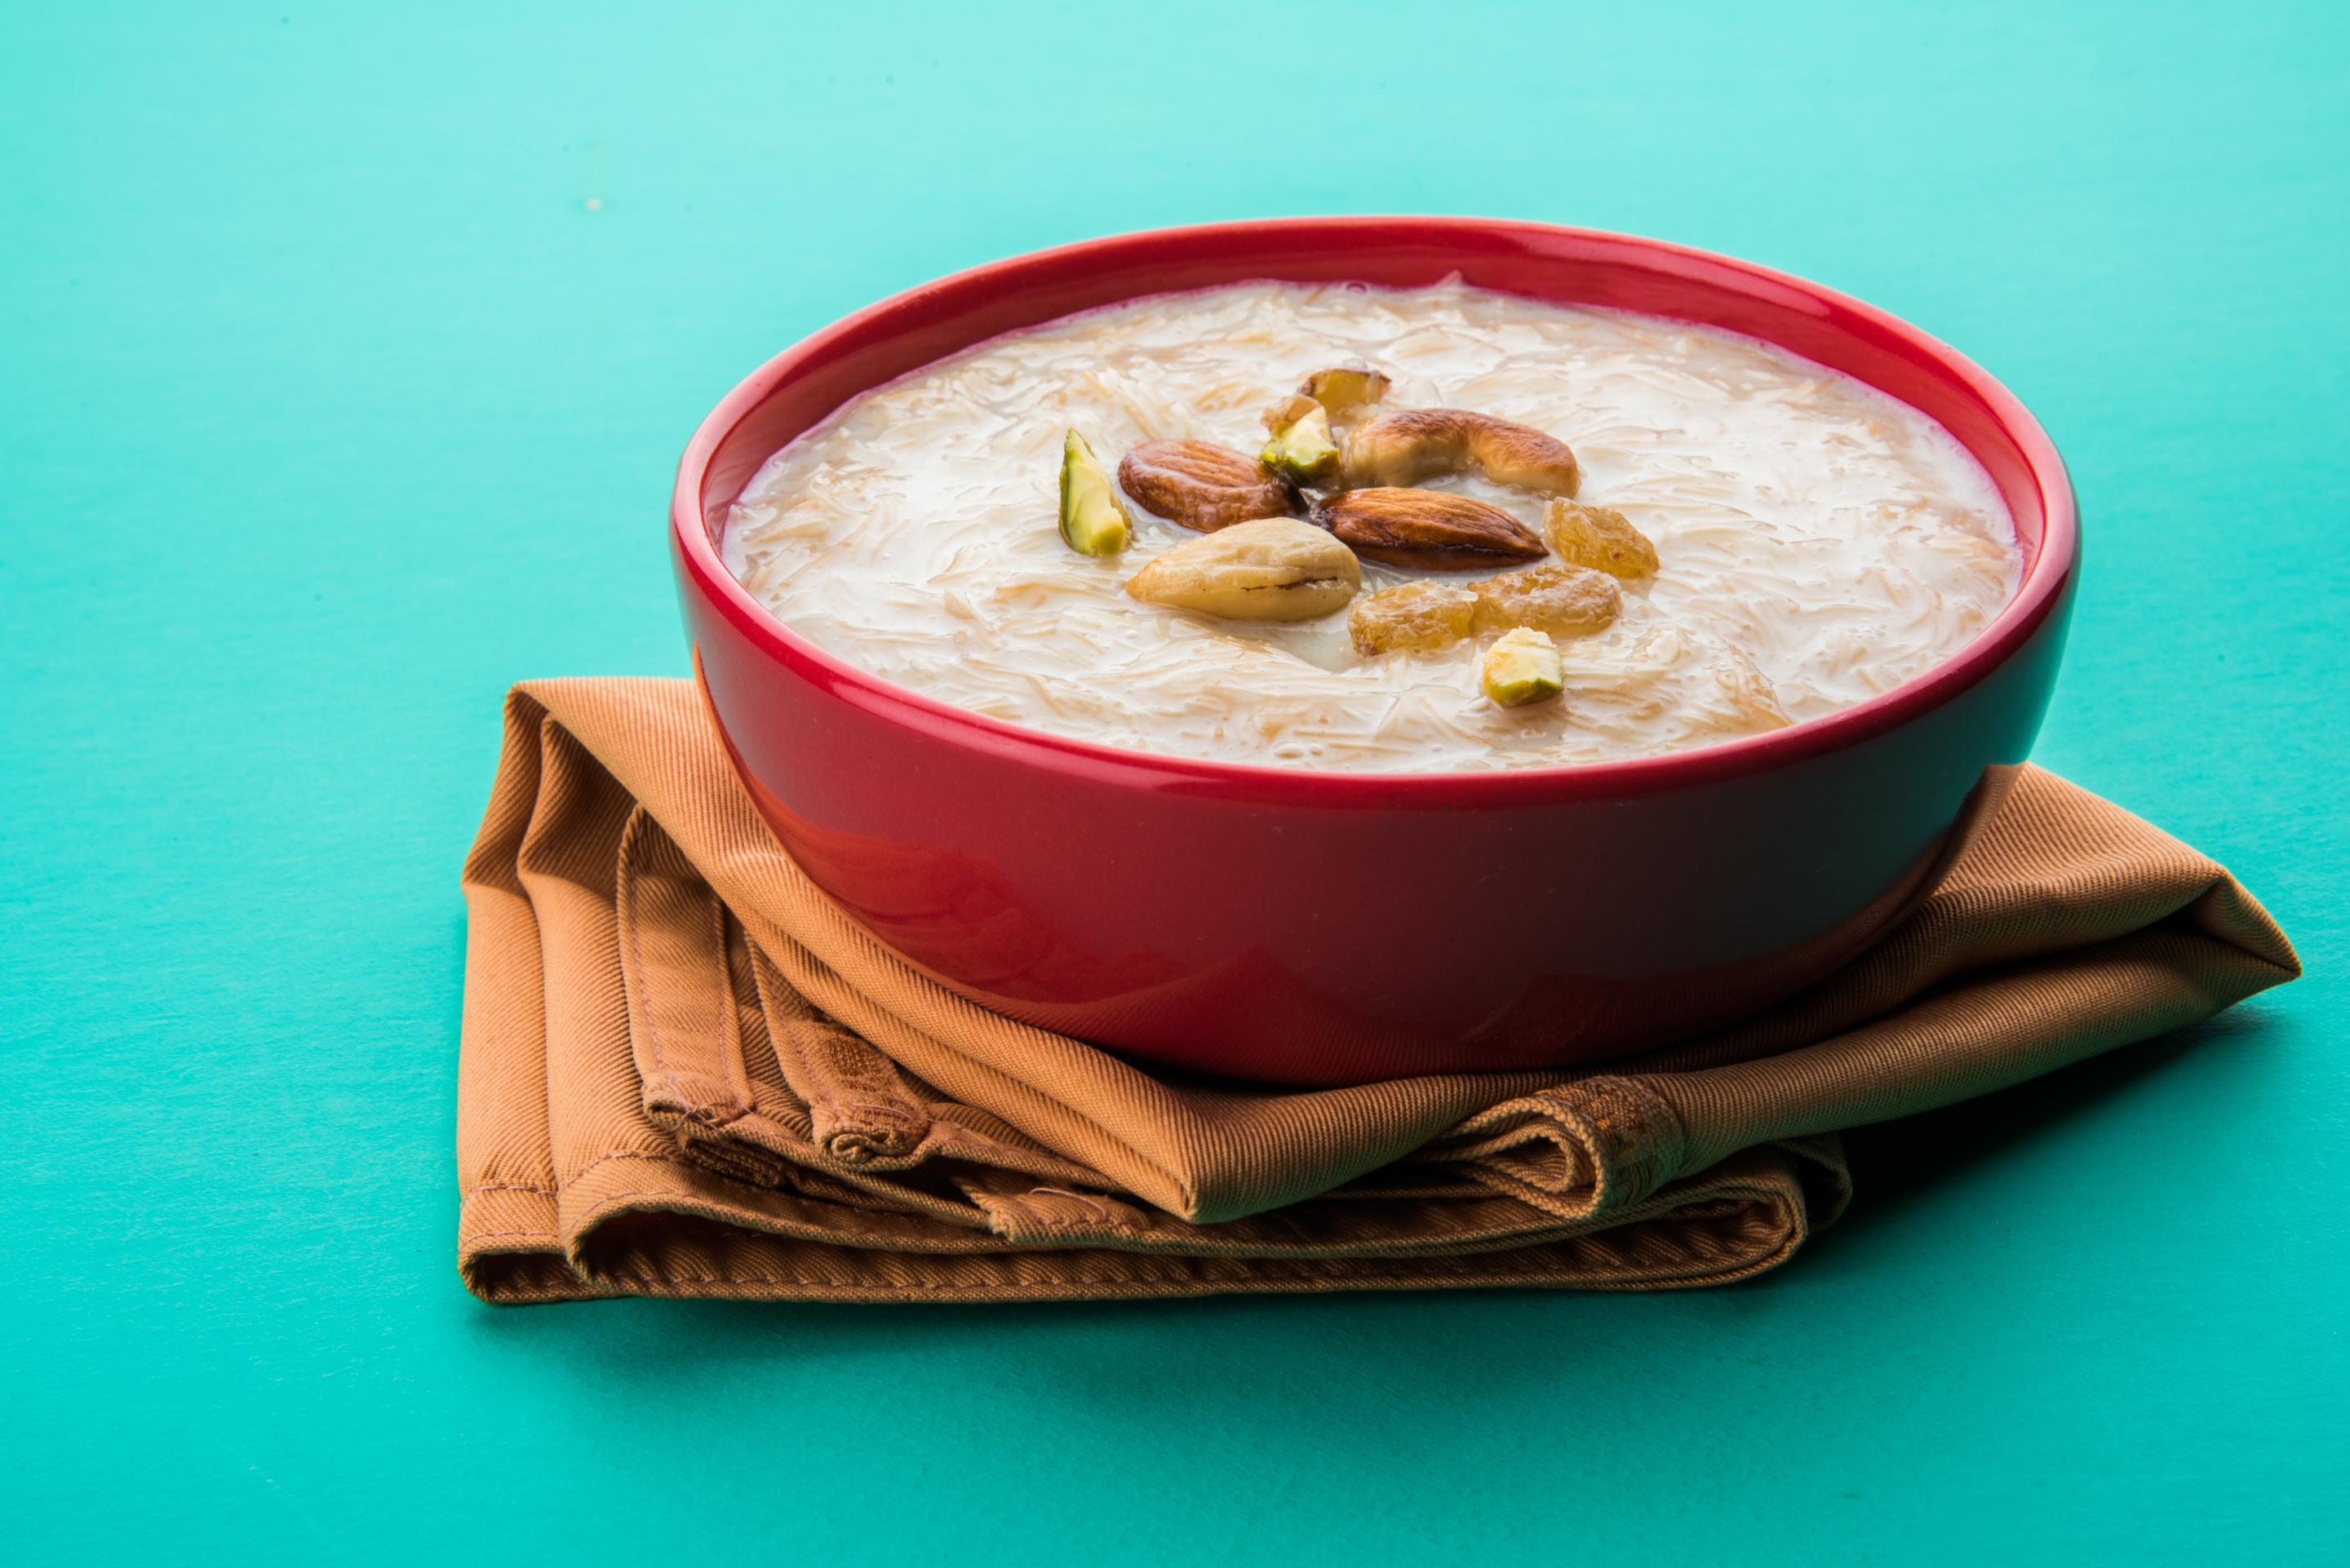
345 355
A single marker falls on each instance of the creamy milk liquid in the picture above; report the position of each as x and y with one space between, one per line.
1821 543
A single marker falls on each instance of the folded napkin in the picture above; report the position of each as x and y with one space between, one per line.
686 1072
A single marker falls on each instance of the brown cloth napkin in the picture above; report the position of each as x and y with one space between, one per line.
686 1072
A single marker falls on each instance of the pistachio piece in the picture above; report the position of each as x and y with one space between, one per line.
1093 520
1302 451
1522 668
1599 538
1201 485
1412 618
1288 411
1345 389
1565 600
1275 569
1412 444
1427 530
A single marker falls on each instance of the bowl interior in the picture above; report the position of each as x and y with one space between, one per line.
801 386
1560 265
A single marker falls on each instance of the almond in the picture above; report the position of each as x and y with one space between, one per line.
1347 390
1412 444
1201 485
1426 530
1272 568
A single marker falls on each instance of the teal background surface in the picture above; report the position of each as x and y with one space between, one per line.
345 355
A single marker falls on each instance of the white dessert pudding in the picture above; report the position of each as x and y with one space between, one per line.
1529 535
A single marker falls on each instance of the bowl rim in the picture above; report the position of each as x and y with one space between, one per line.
2039 593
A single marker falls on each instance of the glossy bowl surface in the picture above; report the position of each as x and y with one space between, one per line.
1310 928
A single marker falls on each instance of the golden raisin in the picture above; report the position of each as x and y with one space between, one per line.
1599 538
1412 618
1556 598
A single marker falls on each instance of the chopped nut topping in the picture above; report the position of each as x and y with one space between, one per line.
1522 668
1092 519
1288 411
1344 390
1303 451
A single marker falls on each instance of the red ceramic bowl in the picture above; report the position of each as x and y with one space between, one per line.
1336 928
